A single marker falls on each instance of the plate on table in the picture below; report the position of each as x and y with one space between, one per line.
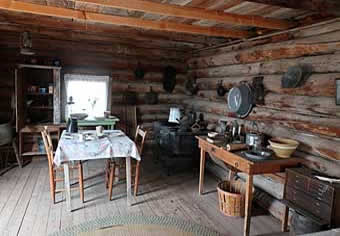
89 138
68 136
100 118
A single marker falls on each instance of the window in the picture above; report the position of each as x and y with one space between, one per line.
87 94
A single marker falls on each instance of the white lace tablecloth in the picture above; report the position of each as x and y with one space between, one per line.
114 144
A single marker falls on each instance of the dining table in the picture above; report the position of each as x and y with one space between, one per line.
87 145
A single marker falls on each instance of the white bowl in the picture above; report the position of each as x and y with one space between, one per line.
283 147
212 134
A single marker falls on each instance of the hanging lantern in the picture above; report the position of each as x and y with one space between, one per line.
26 44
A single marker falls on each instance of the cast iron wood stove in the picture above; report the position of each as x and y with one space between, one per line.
175 147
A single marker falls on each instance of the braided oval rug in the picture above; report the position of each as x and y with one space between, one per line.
137 225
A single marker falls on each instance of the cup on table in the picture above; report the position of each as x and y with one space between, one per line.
107 114
99 130
81 137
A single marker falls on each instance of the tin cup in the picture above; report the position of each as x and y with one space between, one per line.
99 130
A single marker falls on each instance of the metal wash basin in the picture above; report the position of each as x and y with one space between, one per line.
259 154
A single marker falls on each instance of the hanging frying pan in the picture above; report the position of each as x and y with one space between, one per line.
169 79
139 72
240 100
293 77
191 86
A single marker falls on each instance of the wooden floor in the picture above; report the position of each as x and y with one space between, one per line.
26 207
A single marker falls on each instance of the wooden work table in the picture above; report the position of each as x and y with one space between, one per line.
237 163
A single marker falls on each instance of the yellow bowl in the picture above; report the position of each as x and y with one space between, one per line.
283 147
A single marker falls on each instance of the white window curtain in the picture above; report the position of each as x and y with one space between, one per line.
90 94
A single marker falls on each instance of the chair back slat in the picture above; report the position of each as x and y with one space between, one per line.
140 139
48 144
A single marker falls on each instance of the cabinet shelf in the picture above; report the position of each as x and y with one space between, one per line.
33 154
39 94
42 107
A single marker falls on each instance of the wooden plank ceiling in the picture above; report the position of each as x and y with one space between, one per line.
178 25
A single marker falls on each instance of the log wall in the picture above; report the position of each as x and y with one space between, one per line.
102 58
307 113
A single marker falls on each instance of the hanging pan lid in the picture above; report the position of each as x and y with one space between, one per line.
292 77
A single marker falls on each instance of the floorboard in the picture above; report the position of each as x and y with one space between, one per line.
26 207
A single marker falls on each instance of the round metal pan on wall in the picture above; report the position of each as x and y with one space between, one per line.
240 100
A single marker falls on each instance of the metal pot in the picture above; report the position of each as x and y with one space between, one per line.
151 97
254 140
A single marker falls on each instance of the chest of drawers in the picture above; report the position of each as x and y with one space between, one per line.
314 198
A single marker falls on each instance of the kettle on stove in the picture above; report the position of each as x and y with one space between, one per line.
72 125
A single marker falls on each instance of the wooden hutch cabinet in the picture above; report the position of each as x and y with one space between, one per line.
37 91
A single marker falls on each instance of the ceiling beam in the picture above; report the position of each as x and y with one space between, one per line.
39 23
323 6
100 38
88 17
193 13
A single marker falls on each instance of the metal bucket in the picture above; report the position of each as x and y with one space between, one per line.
6 134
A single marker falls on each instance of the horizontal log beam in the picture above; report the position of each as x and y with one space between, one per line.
193 13
317 64
293 48
88 17
163 98
317 84
322 165
98 61
322 6
149 77
43 44
142 87
266 53
134 40
314 106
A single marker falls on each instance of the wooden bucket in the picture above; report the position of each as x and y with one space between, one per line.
231 197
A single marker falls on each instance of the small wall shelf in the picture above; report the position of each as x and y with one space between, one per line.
42 107
39 94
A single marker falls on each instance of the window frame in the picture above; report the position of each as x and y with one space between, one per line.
64 92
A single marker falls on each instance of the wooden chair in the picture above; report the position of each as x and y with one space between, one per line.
112 165
128 118
53 170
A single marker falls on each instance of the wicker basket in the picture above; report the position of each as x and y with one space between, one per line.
231 197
